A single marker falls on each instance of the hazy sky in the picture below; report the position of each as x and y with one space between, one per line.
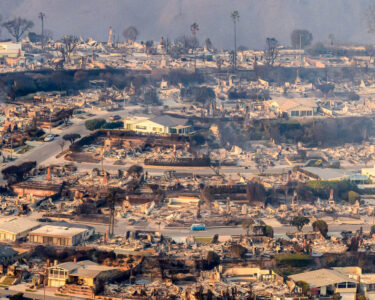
155 18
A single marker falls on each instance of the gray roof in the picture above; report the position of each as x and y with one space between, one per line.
169 121
69 266
327 173
91 270
85 268
60 231
18 225
322 277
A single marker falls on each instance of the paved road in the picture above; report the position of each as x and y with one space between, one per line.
157 170
32 295
50 149
121 227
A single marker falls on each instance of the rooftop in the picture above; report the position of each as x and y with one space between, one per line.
327 173
18 225
288 103
169 121
85 268
322 277
59 230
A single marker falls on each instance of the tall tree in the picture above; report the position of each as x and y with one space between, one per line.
42 17
271 52
206 195
301 38
235 16
194 28
135 171
130 34
219 63
299 222
370 18
69 43
71 137
149 47
17 27
208 44
325 88
331 38
321 226
1 18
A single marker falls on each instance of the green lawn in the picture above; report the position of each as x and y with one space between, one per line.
293 260
203 239
8 280
25 149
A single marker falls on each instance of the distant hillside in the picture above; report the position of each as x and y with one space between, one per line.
154 18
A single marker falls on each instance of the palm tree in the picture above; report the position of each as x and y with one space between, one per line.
42 16
235 16
194 28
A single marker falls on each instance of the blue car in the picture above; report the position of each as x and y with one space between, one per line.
197 227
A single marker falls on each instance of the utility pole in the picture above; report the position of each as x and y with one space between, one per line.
11 145
50 121
235 46
42 16
235 16
44 284
103 160
111 203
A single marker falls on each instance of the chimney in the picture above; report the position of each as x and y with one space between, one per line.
75 259
55 262
105 180
48 177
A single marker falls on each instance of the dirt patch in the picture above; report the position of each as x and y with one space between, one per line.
80 157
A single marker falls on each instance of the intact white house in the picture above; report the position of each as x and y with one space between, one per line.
296 107
158 125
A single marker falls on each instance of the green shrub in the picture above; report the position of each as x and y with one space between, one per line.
95 124
353 197
294 260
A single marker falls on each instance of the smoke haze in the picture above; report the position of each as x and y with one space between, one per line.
155 18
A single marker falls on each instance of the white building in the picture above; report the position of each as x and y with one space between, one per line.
16 228
10 49
296 107
158 125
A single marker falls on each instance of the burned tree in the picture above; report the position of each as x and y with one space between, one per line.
206 195
68 45
135 171
42 17
17 27
271 52
301 38
235 16
17 173
130 34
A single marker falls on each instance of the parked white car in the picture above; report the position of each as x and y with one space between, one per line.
49 138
